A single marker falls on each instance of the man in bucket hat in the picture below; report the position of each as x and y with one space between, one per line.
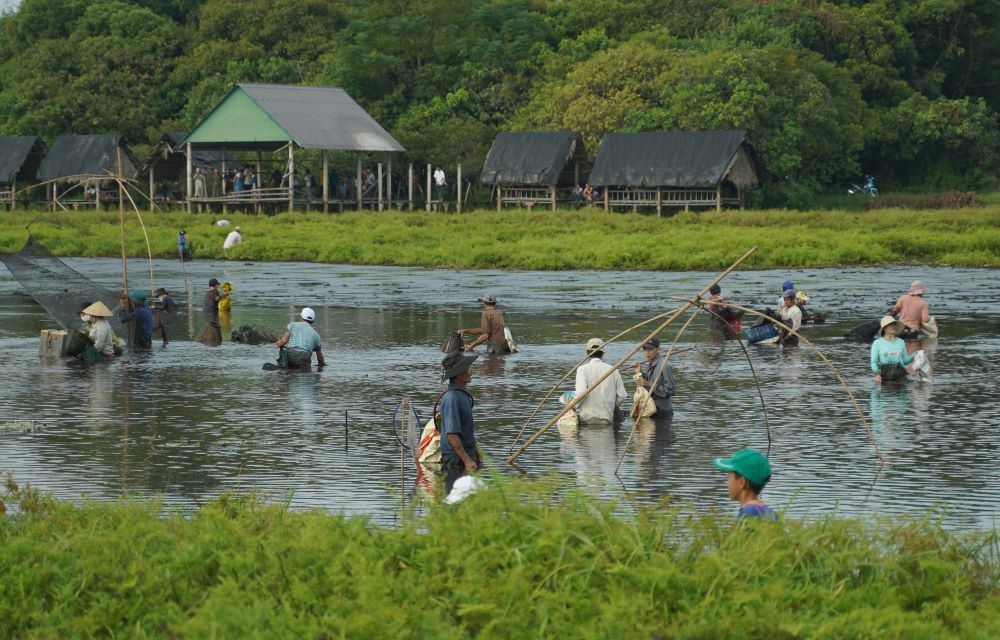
490 328
459 455
749 471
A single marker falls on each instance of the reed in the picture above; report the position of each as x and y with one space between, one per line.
511 562
584 239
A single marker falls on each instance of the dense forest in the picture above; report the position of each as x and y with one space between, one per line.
908 90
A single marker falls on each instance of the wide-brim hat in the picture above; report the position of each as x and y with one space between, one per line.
918 288
455 363
98 310
800 296
489 298
886 321
595 344
749 463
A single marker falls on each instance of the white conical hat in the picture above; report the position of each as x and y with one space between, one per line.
98 310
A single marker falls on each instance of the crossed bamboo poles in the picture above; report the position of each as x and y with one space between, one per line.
671 317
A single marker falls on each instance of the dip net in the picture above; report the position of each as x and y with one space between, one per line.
56 286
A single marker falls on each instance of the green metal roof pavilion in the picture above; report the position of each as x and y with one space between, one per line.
269 117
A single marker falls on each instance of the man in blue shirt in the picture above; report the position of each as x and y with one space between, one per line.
300 341
459 455
182 246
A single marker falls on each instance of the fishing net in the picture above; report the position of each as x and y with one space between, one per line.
57 287
406 426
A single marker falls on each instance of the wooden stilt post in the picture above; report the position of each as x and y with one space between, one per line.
222 187
258 179
291 175
359 191
458 189
606 200
187 182
326 183
659 201
552 195
152 186
428 198
409 183
378 168
718 197
388 183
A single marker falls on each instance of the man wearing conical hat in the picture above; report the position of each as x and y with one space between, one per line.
101 335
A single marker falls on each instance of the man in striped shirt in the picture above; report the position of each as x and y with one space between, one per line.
300 341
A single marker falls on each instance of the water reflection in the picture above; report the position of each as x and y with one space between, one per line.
186 422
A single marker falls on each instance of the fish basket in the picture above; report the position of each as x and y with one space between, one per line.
761 332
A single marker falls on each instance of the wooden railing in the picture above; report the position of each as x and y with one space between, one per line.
525 196
658 198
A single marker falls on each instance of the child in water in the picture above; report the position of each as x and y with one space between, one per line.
749 470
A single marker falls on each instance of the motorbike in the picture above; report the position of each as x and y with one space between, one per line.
869 189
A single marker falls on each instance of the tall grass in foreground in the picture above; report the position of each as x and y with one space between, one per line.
509 563
584 239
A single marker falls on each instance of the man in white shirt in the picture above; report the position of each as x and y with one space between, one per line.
439 182
233 239
600 403
791 315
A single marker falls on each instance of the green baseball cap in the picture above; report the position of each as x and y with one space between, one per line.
749 463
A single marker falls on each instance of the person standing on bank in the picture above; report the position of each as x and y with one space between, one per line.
165 310
459 454
657 378
601 403
301 341
183 247
233 239
490 328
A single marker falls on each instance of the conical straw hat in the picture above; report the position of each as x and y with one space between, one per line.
98 310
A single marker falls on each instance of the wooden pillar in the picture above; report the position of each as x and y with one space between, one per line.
410 186
187 195
257 177
718 197
358 184
576 173
499 196
552 195
739 190
152 186
326 184
222 187
13 193
97 193
291 175
458 189
52 202
659 201
379 190
428 198
388 183
606 199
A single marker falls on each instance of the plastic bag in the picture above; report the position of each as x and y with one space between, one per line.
91 355
641 401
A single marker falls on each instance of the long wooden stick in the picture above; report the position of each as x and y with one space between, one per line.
833 369
577 399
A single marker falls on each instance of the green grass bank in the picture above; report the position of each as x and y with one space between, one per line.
587 239
509 563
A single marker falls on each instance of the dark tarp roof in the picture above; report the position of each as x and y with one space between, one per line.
169 155
20 157
96 154
529 158
313 117
665 158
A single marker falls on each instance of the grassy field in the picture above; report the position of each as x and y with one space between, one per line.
586 239
508 563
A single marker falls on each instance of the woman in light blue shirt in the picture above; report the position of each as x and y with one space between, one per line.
889 357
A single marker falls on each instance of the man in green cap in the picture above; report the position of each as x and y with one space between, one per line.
749 471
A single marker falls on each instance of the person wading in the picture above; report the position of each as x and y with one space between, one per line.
657 378
299 343
210 307
490 328
459 455
601 403
165 310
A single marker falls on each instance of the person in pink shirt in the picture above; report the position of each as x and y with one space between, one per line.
912 309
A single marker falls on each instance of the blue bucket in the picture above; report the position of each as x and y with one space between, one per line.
761 332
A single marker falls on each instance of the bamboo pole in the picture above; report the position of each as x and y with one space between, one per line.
833 369
576 400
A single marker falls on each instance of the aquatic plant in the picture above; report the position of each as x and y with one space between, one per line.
511 562
581 239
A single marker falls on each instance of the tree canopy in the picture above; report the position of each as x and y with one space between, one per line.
828 90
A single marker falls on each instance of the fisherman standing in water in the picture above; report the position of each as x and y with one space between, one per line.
459 455
657 378
490 328
301 341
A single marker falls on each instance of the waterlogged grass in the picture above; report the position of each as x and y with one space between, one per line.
587 239
509 563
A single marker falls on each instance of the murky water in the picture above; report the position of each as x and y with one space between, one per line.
190 421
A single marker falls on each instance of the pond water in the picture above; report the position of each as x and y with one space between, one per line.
188 421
